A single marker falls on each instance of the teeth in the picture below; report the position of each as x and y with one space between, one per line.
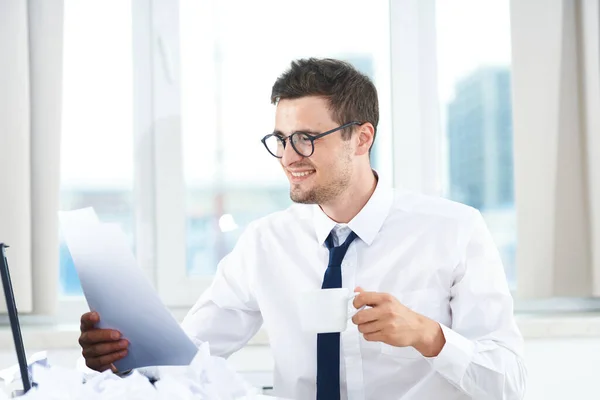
299 174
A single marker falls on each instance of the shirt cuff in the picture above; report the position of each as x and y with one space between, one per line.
455 357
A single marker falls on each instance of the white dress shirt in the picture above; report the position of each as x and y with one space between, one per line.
435 256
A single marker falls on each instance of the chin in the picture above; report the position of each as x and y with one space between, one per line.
297 198
302 197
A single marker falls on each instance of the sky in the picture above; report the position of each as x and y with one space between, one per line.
97 150
470 33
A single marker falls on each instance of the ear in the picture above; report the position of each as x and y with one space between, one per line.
365 136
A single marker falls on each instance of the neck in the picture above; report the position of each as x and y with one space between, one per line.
348 205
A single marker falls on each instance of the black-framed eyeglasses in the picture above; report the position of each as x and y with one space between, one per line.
303 143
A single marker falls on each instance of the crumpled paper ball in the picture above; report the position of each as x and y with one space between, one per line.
206 378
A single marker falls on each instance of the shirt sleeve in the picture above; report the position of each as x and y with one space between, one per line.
227 314
483 352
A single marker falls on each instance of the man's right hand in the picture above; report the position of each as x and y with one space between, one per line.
101 347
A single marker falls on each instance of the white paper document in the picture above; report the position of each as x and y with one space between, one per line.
116 287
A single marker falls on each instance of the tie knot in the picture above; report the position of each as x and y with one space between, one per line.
330 241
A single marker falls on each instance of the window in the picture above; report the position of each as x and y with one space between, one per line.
97 141
474 75
213 72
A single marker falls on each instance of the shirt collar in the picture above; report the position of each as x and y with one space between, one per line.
366 224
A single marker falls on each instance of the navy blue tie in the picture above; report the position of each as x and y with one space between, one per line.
328 344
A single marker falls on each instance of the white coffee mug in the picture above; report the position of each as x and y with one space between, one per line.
326 310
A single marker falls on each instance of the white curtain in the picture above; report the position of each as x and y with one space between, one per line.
30 110
556 112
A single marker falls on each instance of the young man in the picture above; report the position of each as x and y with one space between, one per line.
440 323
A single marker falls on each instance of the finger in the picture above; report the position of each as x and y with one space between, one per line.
89 321
371 299
104 362
358 289
109 366
371 327
367 315
104 348
104 368
374 336
98 336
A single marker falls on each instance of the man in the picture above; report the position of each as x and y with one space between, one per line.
440 319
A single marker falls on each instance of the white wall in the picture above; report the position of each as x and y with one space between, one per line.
559 369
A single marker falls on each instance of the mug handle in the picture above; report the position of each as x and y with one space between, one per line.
350 300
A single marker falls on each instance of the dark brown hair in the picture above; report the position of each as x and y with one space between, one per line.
351 94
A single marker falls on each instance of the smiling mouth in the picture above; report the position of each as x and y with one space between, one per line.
301 174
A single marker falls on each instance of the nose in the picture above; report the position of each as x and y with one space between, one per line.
289 155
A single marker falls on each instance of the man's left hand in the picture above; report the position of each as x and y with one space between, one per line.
390 322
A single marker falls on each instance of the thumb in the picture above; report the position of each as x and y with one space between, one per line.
356 303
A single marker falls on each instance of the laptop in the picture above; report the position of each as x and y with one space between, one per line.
13 316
